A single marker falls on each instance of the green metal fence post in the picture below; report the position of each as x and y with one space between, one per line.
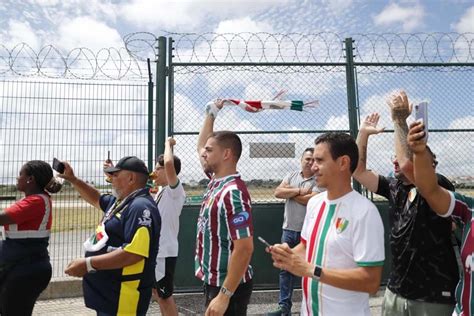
170 87
150 118
160 96
352 106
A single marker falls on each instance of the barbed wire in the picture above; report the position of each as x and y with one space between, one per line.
127 63
78 63
324 47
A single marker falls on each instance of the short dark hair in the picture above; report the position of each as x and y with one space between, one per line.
308 149
228 139
176 162
340 144
43 174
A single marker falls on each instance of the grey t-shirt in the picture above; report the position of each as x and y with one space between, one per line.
295 212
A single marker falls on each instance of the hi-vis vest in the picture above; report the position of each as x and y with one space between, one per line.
41 232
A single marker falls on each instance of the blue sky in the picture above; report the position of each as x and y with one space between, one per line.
97 24
102 23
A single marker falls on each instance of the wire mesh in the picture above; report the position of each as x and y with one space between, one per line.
48 111
451 120
77 121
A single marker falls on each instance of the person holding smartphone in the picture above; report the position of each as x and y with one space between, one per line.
446 204
170 200
25 268
341 253
119 264
420 241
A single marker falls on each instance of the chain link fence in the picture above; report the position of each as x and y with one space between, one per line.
79 105
434 67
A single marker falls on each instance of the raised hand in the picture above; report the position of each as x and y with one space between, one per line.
416 140
369 125
171 141
68 173
400 108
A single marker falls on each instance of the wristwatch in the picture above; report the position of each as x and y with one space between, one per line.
226 292
90 268
317 272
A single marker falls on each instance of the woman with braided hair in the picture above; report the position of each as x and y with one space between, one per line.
25 269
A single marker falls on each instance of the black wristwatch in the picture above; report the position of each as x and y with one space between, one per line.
317 272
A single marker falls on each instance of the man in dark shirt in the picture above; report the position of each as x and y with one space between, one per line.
424 267
119 268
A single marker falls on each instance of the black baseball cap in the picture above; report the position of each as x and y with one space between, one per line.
130 163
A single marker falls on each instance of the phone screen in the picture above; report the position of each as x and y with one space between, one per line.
421 114
58 166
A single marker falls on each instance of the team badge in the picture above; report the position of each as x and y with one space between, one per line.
341 224
145 220
98 240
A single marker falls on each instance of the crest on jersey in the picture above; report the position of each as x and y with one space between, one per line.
145 220
341 224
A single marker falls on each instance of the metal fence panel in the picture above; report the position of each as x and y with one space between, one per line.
77 121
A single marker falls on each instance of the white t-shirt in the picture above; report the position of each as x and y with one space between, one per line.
170 203
345 233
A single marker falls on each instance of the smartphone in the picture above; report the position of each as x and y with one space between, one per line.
58 165
421 115
263 241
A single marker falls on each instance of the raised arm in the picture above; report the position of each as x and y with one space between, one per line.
426 181
90 194
367 178
208 126
168 159
401 110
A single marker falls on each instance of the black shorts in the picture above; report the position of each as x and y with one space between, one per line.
165 286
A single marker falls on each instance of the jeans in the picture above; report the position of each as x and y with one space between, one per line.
287 280
238 302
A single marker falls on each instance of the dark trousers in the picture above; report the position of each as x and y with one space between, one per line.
22 285
238 302
287 280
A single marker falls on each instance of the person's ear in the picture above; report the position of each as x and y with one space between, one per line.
344 163
227 153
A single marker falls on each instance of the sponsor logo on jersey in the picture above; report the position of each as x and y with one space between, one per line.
240 219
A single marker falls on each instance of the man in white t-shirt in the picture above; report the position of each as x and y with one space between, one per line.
341 253
170 200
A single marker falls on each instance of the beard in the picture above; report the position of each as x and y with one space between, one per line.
208 169
115 193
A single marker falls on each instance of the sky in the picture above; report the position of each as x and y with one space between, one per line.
95 25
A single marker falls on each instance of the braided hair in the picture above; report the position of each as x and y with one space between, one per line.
43 175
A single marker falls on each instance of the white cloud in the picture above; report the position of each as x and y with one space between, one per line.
19 32
466 22
409 17
338 6
86 31
245 24
462 123
186 15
